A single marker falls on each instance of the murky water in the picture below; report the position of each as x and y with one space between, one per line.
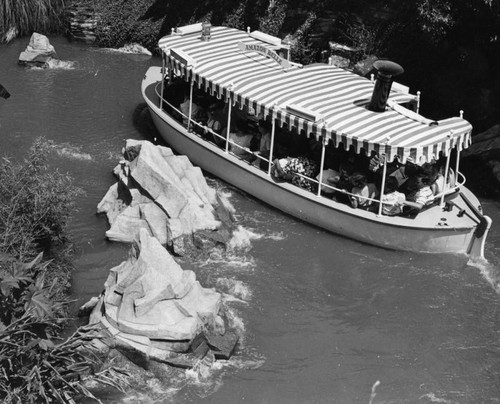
323 318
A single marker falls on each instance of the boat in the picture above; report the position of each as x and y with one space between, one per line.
252 71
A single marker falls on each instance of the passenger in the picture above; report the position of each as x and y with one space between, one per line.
261 144
363 191
242 138
439 185
346 169
216 124
174 96
184 107
404 172
418 189
288 169
392 200
330 177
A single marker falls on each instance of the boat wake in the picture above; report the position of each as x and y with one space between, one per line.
132 48
56 64
234 290
431 398
489 271
199 382
71 152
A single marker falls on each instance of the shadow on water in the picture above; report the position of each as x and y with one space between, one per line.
142 121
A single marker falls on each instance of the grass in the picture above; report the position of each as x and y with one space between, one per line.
36 203
28 16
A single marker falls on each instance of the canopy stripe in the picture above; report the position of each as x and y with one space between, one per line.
249 79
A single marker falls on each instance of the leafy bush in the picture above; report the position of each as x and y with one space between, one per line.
35 206
272 21
33 368
31 15
122 22
35 203
301 49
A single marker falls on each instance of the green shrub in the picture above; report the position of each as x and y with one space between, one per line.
35 203
122 22
35 206
35 368
31 15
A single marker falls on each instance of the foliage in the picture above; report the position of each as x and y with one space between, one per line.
301 49
31 15
123 22
272 21
235 19
35 203
33 368
365 38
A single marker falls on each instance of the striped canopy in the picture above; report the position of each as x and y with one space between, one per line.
340 97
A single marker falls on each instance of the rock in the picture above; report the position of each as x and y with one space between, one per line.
153 310
126 224
38 52
223 346
165 194
87 308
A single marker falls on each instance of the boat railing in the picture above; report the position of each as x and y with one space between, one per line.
200 128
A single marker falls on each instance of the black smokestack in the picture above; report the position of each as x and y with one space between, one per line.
386 70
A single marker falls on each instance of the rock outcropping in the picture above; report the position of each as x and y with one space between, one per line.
168 197
38 52
82 23
153 310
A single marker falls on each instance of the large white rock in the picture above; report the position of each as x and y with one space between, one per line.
152 296
161 192
39 50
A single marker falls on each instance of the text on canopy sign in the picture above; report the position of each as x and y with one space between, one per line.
265 52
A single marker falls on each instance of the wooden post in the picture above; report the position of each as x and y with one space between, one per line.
324 142
418 102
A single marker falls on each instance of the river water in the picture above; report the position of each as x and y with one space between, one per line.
323 319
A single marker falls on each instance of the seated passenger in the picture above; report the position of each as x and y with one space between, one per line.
392 200
242 138
362 190
439 186
330 177
216 124
184 107
418 189
288 168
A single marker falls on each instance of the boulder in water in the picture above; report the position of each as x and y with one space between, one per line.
153 310
166 195
38 52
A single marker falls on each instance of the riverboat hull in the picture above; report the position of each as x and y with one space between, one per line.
461 229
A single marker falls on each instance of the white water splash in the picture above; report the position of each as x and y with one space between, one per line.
433 399
72 152
374 387
242 239
489 271
276 236
234 288
132 48
56 64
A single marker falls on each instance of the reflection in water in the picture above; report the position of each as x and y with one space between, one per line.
324 318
